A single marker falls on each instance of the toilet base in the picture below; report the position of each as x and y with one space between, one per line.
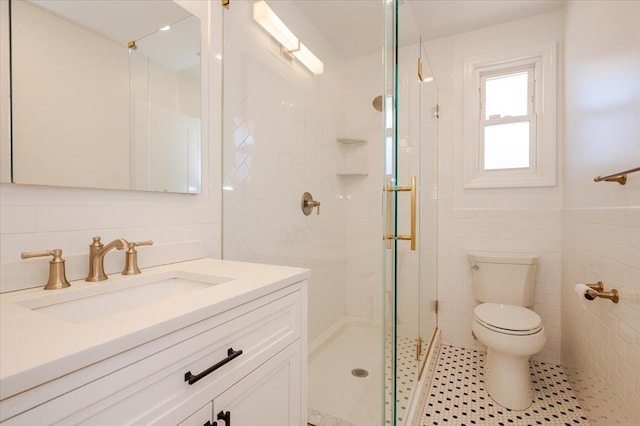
507 380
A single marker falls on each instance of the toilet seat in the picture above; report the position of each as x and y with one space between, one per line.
508 319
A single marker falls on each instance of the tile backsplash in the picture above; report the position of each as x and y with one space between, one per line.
182 227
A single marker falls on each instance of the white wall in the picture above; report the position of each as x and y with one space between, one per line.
34 218
523 220
601 221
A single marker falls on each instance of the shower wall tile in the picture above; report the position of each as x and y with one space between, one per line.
364 268
280 129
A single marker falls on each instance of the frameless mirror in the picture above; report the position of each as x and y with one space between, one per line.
105 94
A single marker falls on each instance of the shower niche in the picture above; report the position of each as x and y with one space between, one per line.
353 160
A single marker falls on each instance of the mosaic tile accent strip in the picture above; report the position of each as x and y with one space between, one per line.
457 395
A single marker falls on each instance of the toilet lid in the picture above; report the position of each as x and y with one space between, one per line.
508 319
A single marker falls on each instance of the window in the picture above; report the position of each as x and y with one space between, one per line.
510 119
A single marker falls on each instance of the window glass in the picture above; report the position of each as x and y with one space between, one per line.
506 146
506 95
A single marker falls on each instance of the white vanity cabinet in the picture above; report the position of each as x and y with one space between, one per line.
264 397
246 364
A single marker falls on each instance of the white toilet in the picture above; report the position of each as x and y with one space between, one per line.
504 284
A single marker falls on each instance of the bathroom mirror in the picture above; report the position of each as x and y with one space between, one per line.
105 94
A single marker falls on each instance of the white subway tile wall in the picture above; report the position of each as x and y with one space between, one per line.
601 340
601 221
524 220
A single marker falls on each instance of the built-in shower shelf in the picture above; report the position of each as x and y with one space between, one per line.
354 173
349 141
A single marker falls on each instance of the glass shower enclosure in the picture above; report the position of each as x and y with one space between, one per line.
312 107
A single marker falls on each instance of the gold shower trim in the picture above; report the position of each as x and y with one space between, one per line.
424 360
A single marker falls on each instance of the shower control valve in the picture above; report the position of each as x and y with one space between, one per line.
308 203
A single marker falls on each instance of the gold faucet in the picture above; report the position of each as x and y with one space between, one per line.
57 276
97 251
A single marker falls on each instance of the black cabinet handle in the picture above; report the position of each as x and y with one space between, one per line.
226 416
231 355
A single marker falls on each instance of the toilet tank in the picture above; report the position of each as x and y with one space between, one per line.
503 278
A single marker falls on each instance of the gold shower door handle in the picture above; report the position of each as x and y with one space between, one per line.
412 236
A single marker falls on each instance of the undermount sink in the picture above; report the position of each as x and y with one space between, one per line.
105 299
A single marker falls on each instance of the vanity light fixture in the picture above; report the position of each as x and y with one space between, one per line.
309 60
268 20
165 28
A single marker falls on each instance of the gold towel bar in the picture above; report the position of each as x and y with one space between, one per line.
621 177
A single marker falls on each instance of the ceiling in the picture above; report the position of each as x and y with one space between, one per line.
120 21
354 27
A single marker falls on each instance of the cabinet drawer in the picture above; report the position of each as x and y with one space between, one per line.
200 417
133 393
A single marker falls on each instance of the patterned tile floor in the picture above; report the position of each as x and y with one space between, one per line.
457 395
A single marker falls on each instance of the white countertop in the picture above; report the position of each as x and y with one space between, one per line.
36 347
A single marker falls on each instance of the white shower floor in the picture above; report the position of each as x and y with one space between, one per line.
337 398
334 391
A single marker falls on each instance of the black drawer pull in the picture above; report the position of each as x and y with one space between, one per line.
231 355
226 416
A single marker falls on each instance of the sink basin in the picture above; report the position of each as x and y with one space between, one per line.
92 303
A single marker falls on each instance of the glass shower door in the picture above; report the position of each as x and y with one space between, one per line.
410 208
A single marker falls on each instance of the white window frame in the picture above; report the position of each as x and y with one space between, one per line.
541 59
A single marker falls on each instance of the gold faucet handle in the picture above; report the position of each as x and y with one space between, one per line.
57 276
141 243
131 257
55 253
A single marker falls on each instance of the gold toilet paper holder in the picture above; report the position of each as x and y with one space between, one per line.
597 290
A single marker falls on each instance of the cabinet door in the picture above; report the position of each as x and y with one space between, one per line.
200 417
269 396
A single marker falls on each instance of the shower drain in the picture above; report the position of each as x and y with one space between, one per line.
359 372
